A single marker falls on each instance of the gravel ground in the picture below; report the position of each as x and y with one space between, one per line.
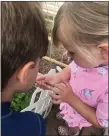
56 53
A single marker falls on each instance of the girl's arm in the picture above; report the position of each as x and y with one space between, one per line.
64 75
65 94
84 110
46 81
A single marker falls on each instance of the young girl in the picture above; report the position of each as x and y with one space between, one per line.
82 28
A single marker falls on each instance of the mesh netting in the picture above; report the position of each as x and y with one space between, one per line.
50 9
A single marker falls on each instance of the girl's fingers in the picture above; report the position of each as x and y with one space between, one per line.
39 83
42 85
60 87
41 78
67 84
56 90
43 82
63 86
54 96
56 101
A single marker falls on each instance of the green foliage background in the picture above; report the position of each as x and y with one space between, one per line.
22 100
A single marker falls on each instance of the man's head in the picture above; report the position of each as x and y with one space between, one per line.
24 40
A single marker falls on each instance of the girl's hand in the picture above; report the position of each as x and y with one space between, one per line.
47 81
63 93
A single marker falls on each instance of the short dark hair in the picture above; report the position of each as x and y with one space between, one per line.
24 36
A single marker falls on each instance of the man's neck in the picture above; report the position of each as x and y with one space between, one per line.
6 95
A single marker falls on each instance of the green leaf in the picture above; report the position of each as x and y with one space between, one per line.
20 101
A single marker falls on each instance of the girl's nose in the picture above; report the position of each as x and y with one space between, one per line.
71 55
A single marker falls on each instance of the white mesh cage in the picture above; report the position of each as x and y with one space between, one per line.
41 101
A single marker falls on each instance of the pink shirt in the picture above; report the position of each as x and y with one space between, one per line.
91 86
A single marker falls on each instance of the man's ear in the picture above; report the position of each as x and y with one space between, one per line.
104 50
22 73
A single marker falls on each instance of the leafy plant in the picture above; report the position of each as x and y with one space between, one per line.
20 101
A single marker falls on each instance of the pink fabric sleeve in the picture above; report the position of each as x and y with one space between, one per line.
73 65
70 65
102 109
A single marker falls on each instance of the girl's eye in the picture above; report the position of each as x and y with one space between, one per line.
71 54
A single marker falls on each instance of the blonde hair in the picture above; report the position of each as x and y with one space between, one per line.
86 23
